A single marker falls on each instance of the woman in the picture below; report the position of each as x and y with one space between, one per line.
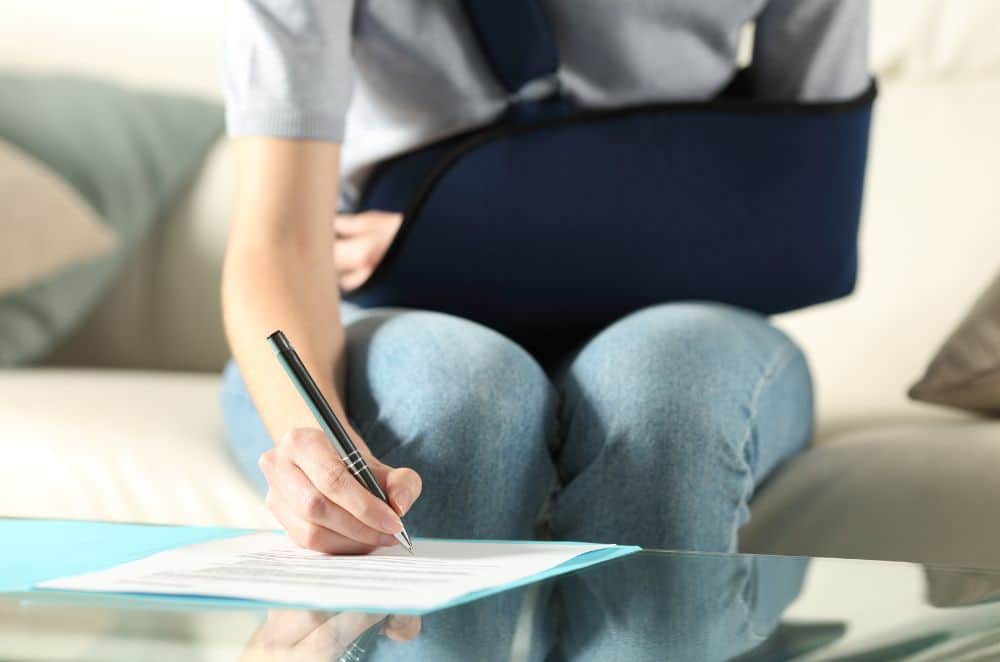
656 431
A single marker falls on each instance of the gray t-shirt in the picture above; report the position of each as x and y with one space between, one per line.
386 76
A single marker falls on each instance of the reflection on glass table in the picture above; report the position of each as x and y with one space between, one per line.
648 606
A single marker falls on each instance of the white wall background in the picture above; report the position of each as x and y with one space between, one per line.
168 43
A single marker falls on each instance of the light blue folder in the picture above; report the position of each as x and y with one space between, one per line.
34 551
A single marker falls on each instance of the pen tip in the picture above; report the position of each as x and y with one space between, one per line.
404 539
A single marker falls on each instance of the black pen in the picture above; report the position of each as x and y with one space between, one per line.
327 420
360 647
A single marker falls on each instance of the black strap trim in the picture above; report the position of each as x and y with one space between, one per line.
514 38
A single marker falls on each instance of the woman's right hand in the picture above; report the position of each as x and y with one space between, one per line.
320 503
309 635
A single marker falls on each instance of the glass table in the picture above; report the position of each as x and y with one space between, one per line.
647 606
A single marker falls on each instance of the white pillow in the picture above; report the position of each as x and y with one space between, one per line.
46 226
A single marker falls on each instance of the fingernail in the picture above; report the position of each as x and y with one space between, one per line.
399 621
391 524
386 541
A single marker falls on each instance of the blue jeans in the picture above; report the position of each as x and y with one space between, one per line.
656 432
644 607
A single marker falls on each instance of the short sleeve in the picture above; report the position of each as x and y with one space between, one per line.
286 69
812 50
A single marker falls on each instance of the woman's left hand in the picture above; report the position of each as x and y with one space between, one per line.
360 243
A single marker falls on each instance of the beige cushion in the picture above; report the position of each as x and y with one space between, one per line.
966 371
45 224
121 446
951 587
913 491
164 310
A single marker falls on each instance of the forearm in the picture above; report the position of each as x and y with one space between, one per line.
279 273
268 290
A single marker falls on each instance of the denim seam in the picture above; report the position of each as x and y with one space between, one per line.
778 362
782 358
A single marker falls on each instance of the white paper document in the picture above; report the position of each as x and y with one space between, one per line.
268 567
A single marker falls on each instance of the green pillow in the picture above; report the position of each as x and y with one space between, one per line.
129 153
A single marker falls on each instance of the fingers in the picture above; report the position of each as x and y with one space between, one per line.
368 222
353 280
356 259
295 490
402 485
342 630
361 242
350 225
309 635
283 628
309 535
312 453
357 253
323 507
402 628
337 634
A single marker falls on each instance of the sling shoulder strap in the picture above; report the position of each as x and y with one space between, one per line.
515 39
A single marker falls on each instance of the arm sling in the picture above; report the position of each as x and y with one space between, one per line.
556 219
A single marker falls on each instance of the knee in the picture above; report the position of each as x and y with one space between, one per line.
245 432
233 389
239 414
685 376
431 379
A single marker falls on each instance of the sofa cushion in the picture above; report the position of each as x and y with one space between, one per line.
910 491
129 153
46 225
965 373
130 447
164 310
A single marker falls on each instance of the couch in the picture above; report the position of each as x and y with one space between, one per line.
122 422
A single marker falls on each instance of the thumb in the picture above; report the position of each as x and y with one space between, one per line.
402 628
402 485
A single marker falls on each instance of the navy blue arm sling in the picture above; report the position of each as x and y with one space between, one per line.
556 221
